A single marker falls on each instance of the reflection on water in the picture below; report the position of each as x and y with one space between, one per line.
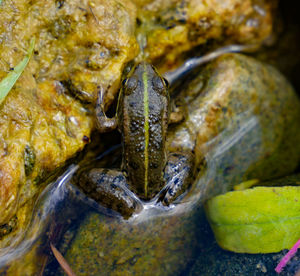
46 207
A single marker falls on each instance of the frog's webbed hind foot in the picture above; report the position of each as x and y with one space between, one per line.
179 173
109 188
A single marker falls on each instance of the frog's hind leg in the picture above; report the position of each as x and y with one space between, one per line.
109 188
179 173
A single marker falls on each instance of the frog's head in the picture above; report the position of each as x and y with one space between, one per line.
144 77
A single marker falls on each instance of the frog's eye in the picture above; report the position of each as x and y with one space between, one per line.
130 85
124 82
159 84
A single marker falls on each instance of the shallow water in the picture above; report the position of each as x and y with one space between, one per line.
158 240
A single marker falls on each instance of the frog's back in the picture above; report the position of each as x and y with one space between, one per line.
143 109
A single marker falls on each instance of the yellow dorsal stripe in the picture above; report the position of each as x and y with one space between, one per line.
146 128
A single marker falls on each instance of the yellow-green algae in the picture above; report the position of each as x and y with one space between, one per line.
44 113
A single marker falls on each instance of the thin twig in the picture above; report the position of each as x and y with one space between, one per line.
62 261
287 257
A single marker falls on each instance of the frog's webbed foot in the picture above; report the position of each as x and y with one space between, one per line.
103 123
179 173
109 188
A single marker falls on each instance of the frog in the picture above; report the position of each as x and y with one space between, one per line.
149 174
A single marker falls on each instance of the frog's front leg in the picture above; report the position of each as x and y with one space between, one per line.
178 173
103 123
109 188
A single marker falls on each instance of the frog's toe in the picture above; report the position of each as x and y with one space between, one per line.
178 174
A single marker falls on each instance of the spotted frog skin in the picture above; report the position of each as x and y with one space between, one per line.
148 173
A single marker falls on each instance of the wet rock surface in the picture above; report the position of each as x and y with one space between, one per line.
239 105
80 46
45 119
171 28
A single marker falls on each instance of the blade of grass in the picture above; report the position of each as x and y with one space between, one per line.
8 82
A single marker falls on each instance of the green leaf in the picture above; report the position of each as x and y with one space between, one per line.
8 82
259 220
